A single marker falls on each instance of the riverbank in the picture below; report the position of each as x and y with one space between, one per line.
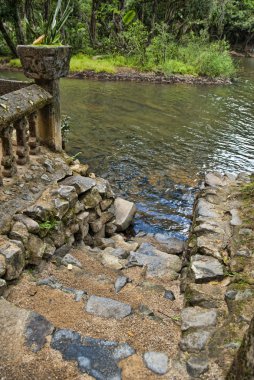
135 76
97 68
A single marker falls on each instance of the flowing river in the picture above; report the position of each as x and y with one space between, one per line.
154 142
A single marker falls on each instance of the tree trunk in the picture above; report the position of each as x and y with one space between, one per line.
17 23
7 39
30 17
154 14
47 5
93 20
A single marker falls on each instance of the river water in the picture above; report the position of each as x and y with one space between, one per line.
155 142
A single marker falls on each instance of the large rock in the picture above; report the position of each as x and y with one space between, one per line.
126 245
19 327
69 193
214 179
211 244
31 225
196 317
107 308
35 248
156 362
125 212
159 264
14 258
91 199
104 188
206 268
81 184
206 209
19 232
195 341
170 245
111 261
196 366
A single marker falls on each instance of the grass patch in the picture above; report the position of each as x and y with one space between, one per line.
15 63
248 191
81 62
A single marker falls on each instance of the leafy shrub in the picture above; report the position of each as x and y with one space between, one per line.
172 66
136 39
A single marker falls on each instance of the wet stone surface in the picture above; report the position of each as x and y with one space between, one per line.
96 357
36 330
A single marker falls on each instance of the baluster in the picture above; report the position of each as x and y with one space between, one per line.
8 159
22 145
33 142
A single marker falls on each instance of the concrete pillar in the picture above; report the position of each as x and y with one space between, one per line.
46 65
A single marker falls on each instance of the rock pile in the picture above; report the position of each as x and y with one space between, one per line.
77 209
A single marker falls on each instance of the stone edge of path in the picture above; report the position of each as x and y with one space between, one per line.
206 263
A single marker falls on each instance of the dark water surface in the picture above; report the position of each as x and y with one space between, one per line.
154 142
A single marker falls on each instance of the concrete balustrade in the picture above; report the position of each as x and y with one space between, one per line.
31 111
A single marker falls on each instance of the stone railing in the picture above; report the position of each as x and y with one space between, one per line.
19 111
7 85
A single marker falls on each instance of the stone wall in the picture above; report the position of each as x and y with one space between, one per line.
75 210
216 279
11 85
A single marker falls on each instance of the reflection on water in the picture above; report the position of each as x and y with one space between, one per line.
154 142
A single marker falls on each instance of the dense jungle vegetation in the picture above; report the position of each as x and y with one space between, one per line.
168 36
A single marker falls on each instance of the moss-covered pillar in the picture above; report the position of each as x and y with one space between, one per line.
49 117
47 65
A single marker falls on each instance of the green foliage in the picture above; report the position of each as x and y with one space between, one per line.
81 62
248 190
172 66
186 37
136 39
15 62
158 48
129 17
49 225
50 29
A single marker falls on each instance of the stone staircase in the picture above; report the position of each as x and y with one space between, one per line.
141 308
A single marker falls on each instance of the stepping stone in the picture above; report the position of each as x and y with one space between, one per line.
158 263
196 366
195 341
206 209
157 362
196 317
206 268
107 308
96 357
235 220
170 245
